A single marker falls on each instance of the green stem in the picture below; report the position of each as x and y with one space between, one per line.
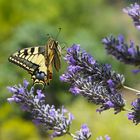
134 90
72 135
126 109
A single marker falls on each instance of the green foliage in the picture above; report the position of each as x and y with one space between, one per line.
18 129
118 127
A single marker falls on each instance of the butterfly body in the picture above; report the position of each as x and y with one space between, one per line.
39 61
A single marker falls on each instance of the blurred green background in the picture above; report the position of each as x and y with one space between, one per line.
26 23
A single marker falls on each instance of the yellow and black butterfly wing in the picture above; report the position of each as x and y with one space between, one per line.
38 61
32 59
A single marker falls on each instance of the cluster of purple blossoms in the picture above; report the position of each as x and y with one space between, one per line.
129 54
48 117
126 53
98 83
83 134
43 114
134 12
135 114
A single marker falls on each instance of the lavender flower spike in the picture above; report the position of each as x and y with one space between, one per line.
135 114
81 62
128 54
83 134
97 83
43 114
134 12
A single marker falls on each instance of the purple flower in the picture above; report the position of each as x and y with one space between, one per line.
11 89
134 115
71 117
130 116
43 114
65 77
107 137
110 83
21 90
85 129
136 71
134 12
121 39
128 54
101 138
74 69
110 104
98 83
40 95
75 90
25 83
83 134
13 99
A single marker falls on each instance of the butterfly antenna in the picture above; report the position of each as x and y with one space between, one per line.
59 30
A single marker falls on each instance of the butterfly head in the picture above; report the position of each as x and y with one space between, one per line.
52 44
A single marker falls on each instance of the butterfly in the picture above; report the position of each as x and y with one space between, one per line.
39 61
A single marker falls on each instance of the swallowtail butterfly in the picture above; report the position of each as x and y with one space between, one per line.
39 60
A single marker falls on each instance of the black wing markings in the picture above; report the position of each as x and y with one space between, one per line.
32 60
